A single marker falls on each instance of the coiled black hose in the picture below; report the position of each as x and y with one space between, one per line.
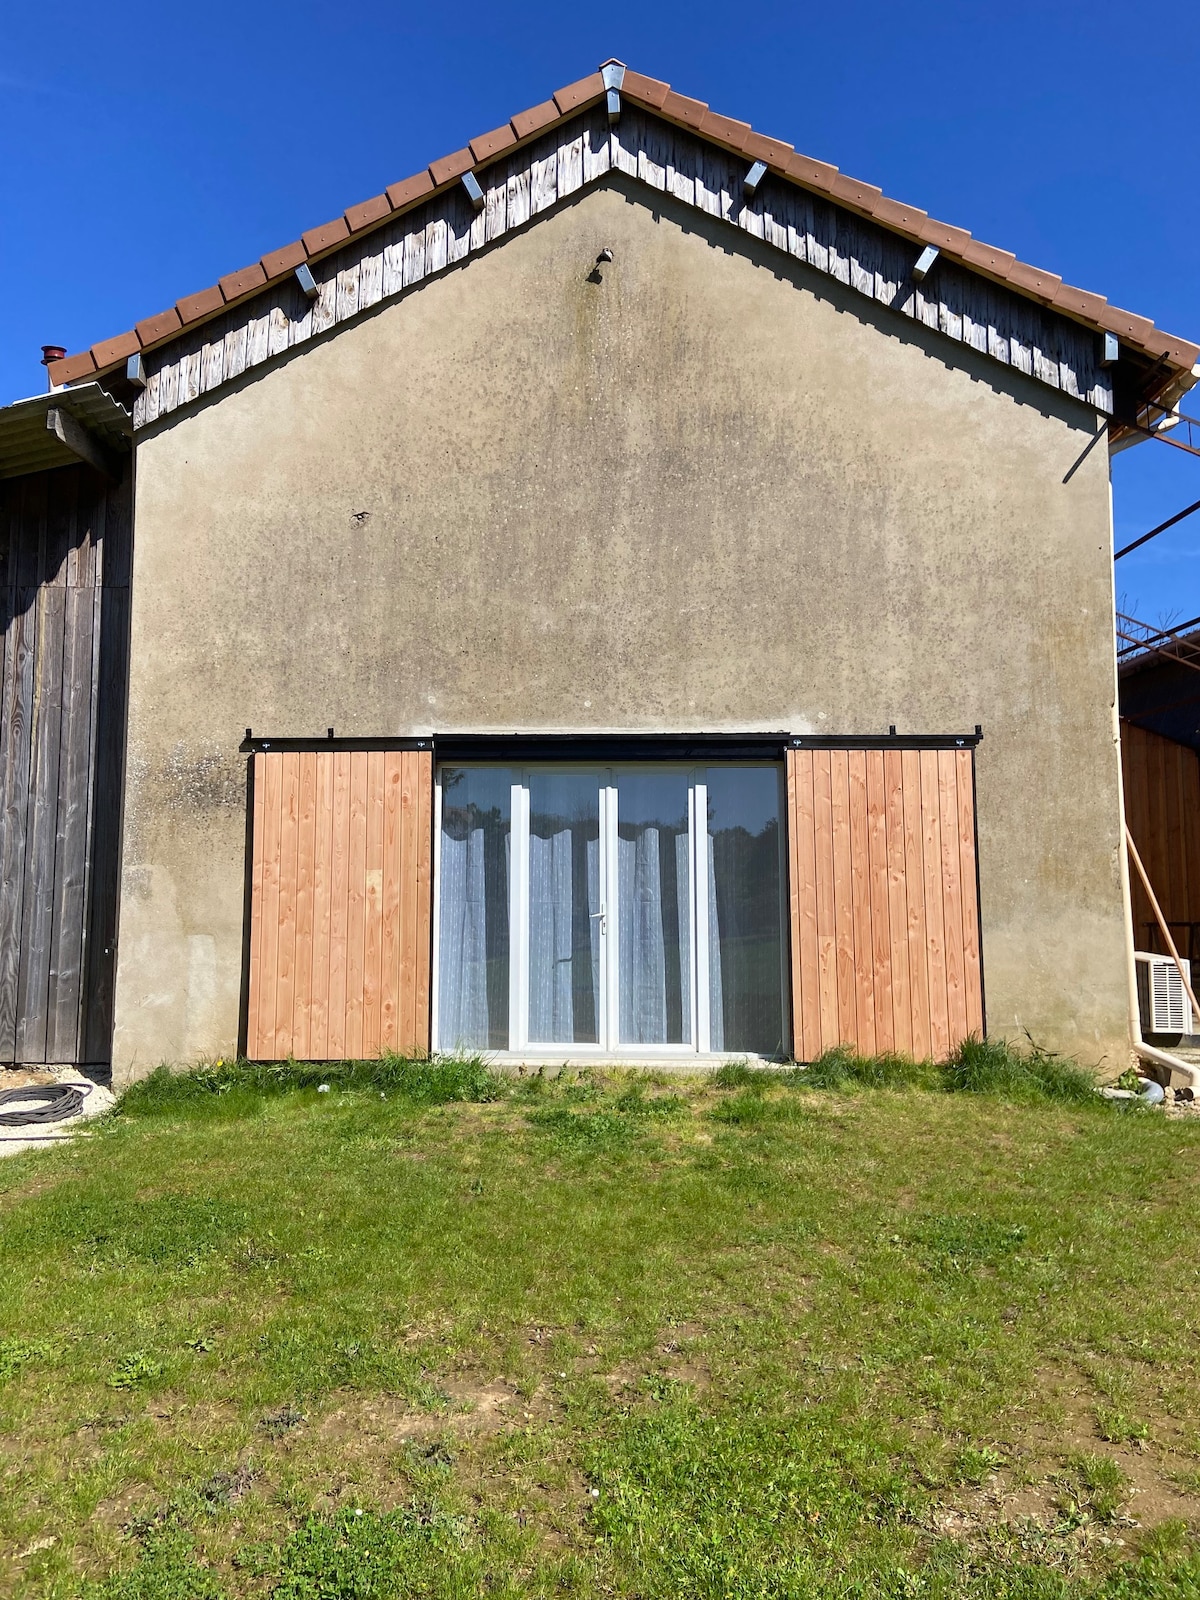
60 1100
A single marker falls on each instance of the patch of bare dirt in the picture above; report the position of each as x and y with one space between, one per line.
474 1407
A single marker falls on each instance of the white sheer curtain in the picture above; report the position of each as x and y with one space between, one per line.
474 868
462 1000
716 987
654 935
564 958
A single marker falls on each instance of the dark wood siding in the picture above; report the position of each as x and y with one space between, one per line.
65 546
1162 808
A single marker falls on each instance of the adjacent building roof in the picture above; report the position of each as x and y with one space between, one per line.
1159 678
1165 363
83 423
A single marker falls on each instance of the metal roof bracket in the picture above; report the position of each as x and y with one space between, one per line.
613 73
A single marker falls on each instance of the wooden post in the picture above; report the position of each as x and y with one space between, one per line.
1162 921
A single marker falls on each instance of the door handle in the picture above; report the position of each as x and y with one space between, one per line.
598 915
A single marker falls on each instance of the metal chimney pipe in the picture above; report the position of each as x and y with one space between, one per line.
52 352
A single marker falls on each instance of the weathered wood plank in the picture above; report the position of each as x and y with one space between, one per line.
37 911
570 166
110 676
16 716
64 990
31 547
414 257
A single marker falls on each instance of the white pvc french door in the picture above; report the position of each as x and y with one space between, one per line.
610 911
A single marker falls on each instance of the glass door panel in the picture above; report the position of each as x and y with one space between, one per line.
565 908
745 901
654 907
473 916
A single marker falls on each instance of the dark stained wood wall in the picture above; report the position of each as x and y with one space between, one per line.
65 548
1162 808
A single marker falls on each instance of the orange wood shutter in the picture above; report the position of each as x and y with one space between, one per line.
884 910
340 904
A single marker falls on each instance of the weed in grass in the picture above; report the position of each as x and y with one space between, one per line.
18 1353
1093 1486
167 1569
588 1132
360 1554
751 1107
1118 1427
993 1066
975 1464
134 1369
276 1423
635 1102
957 1244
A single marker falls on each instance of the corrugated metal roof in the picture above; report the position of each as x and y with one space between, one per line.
28 444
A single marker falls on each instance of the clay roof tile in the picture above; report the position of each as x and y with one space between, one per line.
236 284
409 189
113 350
537 117
579 93
650 91
151 329
326 236
194 306
286 259
71 368
488 145
450 167
368 211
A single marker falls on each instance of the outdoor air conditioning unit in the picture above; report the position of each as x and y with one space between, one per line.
1162 998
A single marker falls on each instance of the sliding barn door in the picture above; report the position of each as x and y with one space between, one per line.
340 904
884 909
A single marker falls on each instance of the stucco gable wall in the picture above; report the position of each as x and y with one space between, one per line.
711 491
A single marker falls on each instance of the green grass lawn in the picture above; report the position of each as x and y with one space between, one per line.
600 1336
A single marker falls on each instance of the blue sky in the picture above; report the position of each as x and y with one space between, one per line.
147 149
